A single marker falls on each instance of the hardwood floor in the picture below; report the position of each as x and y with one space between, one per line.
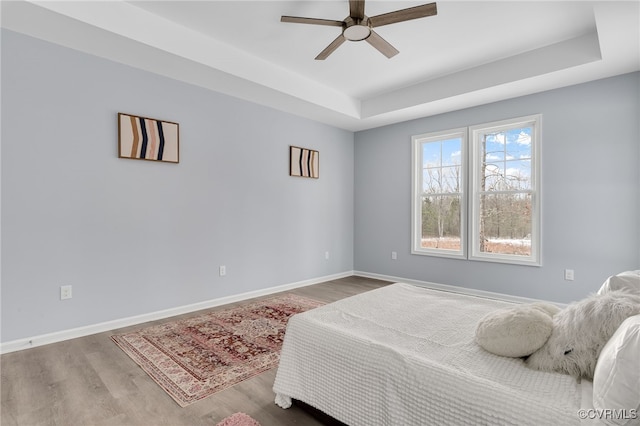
90 381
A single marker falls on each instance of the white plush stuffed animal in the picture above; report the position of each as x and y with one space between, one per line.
581 330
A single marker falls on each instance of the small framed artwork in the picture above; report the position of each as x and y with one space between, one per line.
304 162
143 138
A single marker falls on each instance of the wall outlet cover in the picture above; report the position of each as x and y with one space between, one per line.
66 292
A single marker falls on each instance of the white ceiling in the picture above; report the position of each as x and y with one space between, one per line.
470 53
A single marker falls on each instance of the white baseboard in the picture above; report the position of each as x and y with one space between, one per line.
59 336
455 289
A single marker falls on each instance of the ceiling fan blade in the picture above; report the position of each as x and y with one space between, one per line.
313 21
356 9
330 48
404 15
382 45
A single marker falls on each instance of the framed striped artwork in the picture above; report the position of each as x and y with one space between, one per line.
304 162
143 138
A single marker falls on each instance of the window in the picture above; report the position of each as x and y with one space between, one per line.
480 201
439 186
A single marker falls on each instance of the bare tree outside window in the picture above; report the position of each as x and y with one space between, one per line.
505 192
441 194
476 192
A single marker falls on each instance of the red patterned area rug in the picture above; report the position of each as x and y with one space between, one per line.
239 419
197 357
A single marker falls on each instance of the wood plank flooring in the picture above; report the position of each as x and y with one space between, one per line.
90 381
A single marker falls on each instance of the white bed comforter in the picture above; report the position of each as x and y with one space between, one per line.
405 355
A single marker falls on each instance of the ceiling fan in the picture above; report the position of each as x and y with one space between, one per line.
358 26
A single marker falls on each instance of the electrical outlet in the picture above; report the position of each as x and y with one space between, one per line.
223 270
568 274
326 255
66 292
394 255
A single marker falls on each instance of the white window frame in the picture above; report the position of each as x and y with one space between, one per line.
470 180
475 134
416 189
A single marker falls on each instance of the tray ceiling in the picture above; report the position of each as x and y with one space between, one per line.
470 53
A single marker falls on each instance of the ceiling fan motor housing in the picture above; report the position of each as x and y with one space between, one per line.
356 29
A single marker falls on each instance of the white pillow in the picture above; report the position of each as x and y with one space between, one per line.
616 381
518 331
628 281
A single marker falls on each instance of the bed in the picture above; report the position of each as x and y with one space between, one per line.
406 355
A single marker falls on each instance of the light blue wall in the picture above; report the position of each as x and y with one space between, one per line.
590 193
134 237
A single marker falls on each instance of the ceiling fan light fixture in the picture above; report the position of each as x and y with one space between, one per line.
358 26
357 32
